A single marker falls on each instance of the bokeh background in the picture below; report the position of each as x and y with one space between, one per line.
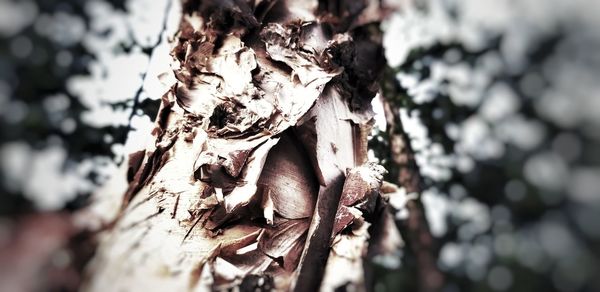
500 98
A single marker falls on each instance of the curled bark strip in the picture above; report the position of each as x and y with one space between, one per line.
287 180
360 194
316 250
349 239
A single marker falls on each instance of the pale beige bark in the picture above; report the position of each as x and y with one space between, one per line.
257 174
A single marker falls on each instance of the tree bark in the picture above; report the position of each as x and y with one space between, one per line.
257 175
415 228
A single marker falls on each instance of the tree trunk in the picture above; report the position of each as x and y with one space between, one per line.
257 174
414 229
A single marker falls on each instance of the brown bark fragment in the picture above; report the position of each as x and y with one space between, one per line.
288 181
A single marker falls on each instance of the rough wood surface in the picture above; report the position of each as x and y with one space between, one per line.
259 137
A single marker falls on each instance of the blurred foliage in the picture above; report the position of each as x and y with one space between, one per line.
489 179
37 69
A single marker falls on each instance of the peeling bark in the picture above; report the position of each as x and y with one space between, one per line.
257 171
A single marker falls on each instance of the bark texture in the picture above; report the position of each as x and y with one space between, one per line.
257 172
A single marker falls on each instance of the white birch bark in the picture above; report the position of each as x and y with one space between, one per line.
254 174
